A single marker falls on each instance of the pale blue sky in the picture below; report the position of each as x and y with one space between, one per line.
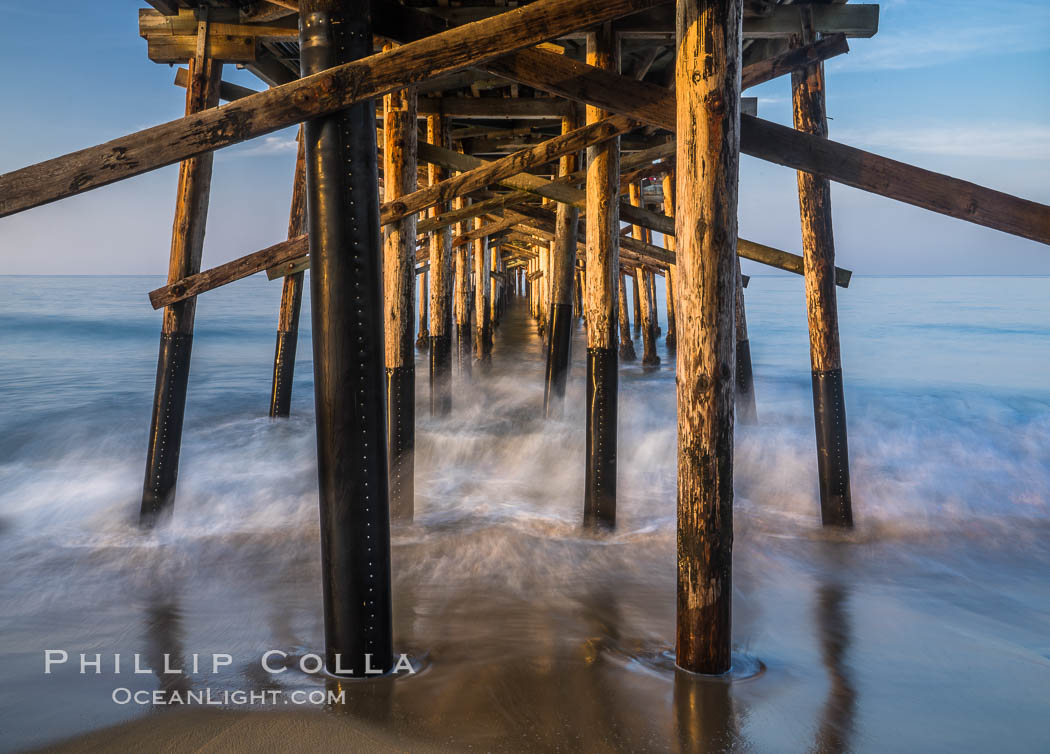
960 87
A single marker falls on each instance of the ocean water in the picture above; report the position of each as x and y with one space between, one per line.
928 628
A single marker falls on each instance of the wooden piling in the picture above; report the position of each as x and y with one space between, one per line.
644 291
603 264
399 280
577 293
650 358
637 300
563 270
423 330
440 284
671 340
746 408
707 80
176 335
482 321
651 280
818 249
461 298
496 288
291 299
347 311
626 343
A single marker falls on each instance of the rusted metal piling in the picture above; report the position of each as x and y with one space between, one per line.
818 245
347 313
603 264
707 82
176 335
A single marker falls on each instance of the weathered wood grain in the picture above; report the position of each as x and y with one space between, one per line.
786 146
707 81
399 237
322 93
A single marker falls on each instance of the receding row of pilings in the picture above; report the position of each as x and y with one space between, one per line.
363 284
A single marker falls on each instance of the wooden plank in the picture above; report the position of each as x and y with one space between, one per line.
153 24
853 20
229 49
786 146
793 59
325 92
187 287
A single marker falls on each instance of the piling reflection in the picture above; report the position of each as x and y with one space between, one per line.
832 620
704 715
163 629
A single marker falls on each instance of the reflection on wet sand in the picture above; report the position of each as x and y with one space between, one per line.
832 620
704 714
162 626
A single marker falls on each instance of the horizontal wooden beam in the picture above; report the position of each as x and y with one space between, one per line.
786 146
238 269
790 60
155 25
322 93
483 173
228 49
494 108
852 20
228 92
659 222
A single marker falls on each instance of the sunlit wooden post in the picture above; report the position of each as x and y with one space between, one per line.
707 82
636 299
624 320
645 291
603 264
461 297
423 331
672 331
482 322
818 249
399 278
440 285
176 334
